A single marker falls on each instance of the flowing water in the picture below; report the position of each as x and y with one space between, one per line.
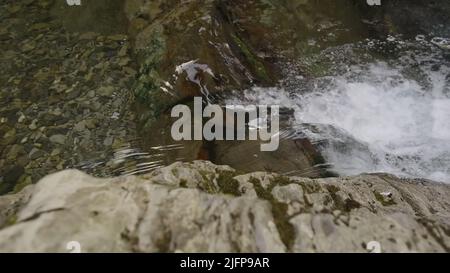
69 76
385 115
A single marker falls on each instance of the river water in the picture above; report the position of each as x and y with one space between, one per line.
68 79
383 115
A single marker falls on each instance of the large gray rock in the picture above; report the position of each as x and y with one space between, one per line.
201 207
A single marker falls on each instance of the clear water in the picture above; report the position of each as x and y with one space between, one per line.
68 76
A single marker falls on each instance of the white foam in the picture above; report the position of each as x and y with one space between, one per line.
403 126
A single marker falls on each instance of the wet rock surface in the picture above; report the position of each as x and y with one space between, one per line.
201 207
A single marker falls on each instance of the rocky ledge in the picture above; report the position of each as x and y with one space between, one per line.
201 207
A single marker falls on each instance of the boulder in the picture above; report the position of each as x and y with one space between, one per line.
202 207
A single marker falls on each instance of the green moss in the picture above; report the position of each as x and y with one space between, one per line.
380 198
311 187
260 191
228 184
257 66
11 220
183 183
280 181
163 242
22 184
208 187
332 188
279 209
207 184
345 205
147 90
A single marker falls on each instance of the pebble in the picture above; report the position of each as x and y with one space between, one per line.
123 51
36 153
106 91
124 61
58 139
33 125
55 152
10 136
88 36
90 123
115 115
21 118
80 126
118 37
15 151
108 141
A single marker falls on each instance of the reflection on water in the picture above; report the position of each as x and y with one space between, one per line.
129 160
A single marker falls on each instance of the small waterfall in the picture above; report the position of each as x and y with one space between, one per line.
376 117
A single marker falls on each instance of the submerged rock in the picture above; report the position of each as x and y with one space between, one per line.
212 48
62 78
209 48
201 207
191 49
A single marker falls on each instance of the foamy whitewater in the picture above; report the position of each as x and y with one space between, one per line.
374 119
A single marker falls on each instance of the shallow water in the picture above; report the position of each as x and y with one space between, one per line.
101 16
65 99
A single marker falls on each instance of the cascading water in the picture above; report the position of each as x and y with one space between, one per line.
376 117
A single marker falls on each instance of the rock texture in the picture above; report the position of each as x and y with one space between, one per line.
201 207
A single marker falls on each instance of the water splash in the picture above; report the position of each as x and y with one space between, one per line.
378 117
403 126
